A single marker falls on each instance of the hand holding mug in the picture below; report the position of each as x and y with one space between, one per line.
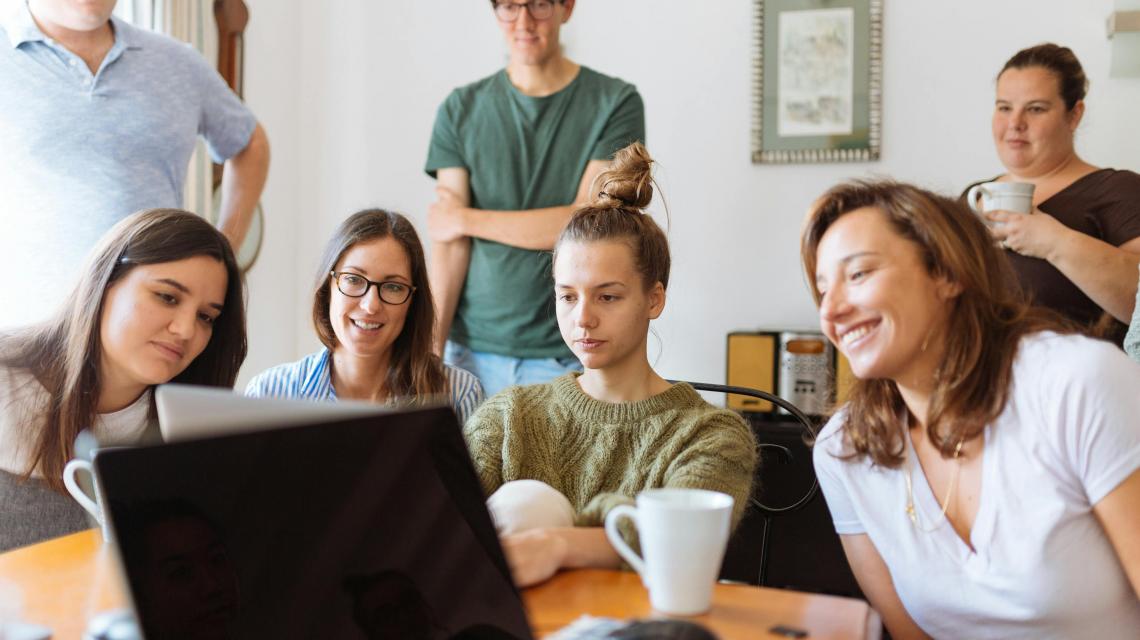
1034 236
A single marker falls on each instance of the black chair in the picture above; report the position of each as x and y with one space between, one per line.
802 551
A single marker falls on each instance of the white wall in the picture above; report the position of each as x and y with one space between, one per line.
348 92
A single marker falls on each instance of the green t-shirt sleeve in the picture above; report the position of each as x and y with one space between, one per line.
446 149
625 126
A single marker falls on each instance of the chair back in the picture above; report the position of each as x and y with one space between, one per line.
786 538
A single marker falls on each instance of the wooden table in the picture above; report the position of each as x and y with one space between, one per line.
738 611
63 582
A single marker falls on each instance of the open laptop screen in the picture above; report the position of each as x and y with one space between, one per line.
365 528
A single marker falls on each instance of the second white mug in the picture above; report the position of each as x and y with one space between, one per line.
1005 196
683 534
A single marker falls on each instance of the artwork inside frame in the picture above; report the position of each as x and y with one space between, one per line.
817 81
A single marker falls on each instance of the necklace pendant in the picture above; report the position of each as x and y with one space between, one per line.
911 514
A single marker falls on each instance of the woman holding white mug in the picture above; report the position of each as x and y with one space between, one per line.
1078 252
159 300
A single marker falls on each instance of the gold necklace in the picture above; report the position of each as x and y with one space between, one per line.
911 510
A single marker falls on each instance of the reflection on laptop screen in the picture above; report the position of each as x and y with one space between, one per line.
371 527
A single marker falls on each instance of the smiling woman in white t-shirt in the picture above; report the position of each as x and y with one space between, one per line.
159 300
984 476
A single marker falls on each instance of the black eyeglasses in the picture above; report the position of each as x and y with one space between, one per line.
355 285
538 9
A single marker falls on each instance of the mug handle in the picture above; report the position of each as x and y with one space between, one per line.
618 542
73 467
972 197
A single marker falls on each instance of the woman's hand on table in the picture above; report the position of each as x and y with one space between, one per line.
1034 235
534 555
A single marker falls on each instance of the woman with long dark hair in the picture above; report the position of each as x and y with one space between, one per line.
373 312
159 300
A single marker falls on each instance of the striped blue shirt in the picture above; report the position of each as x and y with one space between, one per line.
310 378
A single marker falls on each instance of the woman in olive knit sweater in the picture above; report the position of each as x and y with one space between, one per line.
596 439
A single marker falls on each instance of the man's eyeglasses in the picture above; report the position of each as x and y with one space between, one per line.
355 285
539 9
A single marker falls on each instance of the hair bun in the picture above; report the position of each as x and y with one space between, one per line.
628 182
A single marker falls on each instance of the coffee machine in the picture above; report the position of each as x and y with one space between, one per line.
800 366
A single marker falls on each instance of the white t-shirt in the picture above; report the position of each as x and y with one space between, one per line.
22 401
1042 566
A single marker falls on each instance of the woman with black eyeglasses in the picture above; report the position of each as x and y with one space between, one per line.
372 309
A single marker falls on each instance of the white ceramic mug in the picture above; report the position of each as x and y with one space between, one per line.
683 534
93 505
1005 196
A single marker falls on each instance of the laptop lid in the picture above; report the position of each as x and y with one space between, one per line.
187 412
368 527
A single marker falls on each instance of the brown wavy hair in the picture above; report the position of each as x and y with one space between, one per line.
415 372
617 212
61 353
987 319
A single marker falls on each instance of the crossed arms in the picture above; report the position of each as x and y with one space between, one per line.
452 223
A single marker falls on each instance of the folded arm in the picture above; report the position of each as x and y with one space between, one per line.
452 217
447 269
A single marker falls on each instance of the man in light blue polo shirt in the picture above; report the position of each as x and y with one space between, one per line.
98 119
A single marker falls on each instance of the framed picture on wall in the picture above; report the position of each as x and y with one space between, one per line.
817 81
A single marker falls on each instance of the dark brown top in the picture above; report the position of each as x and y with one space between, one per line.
1104 204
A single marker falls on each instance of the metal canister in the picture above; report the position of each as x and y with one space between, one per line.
805 371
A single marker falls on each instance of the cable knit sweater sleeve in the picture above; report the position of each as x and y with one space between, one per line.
484 434
721 456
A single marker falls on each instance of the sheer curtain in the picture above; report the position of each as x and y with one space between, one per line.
191 21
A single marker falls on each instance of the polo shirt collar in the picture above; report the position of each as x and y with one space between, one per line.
20 26
126 35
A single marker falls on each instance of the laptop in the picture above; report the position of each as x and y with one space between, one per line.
348 527
188 412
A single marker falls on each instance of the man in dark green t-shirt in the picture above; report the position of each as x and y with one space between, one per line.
514 154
